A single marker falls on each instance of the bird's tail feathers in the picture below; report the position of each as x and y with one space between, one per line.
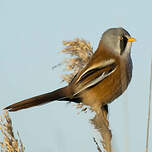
39 100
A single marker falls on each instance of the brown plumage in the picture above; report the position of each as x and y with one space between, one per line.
103 79
38 100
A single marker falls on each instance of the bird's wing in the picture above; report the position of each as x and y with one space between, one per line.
94 74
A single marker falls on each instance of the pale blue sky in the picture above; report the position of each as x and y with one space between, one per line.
31 34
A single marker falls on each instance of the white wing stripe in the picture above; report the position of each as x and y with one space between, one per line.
100 65
94 82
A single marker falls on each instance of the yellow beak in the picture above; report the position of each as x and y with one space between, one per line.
131 39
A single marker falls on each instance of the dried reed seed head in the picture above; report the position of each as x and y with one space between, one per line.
77 44
67 77
82 52
9 143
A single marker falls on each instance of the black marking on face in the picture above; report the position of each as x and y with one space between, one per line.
123 44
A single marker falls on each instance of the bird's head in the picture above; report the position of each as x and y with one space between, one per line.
117 40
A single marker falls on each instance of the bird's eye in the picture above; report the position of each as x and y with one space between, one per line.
123 43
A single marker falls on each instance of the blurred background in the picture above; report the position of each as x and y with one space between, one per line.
31 35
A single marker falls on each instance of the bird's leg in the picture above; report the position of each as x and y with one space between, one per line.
104 110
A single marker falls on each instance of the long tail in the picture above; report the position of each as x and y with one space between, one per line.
39 100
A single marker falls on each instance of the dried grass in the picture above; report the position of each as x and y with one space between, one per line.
80 52
149 111
10 143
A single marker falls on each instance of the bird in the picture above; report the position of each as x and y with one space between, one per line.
104 78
